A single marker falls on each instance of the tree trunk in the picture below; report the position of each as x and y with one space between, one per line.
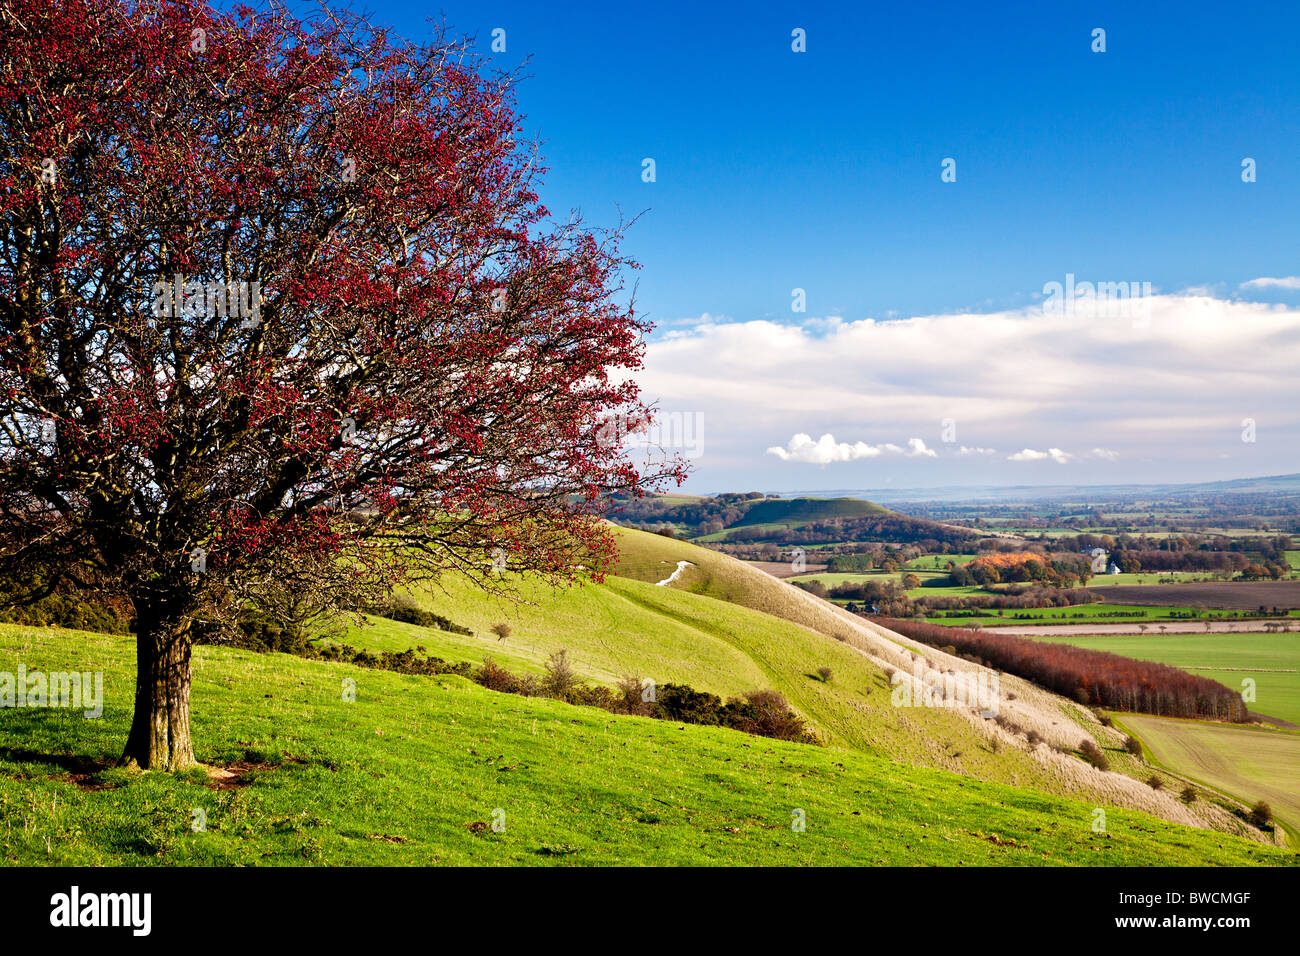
160 729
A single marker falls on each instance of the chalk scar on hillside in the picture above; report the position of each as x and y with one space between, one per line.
681 566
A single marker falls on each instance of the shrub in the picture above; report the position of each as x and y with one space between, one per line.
1154 782
502 630
824 673
690 706
495 677
1261 815
1188 795
767 714
560 679
403 607
1133 746
631 691
1092 753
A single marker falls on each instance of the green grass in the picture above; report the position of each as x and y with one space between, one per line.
397 777
1271 660
938 562
631 627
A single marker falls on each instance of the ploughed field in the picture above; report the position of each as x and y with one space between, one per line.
1232 595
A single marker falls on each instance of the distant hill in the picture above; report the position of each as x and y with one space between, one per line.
752 517
1271 485
796 511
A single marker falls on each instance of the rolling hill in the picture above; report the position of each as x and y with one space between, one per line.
725 627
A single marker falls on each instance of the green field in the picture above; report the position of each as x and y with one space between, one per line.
1152 578
416 770
938 562
1249 763
1271 660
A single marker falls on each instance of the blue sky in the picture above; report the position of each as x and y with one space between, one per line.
820 170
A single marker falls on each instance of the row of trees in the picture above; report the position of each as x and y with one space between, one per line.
1091 677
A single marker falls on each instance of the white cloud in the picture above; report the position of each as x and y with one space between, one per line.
1265 282
1156 395
826 449
1031 454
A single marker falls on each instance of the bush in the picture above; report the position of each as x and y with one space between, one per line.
767 714
1154 782
502 630
560 679
824 673
632 691
1261 815
1188 795
76 610
1133 746
1092 753
494 677
690 706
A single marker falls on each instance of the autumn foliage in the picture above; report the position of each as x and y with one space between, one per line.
1091 677
412 372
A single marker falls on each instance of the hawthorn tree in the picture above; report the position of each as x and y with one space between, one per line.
281 314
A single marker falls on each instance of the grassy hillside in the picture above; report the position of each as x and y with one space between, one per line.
726 627
416 770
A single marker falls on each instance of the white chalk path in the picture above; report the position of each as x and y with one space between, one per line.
681 566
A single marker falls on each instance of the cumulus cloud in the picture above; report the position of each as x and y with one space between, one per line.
826 449
1031 454
1266 282
976 451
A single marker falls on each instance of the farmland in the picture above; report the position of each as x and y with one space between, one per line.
1250 763
1235 595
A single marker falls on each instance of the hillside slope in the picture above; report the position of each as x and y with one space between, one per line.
417 770
725 627
1060 722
